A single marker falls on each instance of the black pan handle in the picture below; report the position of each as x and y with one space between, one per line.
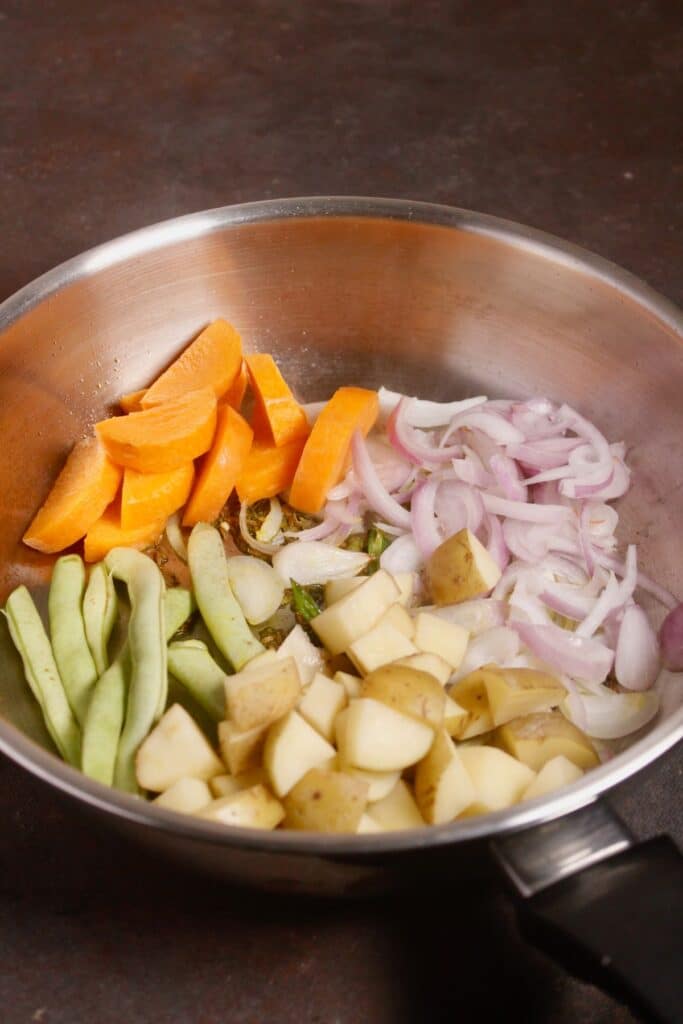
617 922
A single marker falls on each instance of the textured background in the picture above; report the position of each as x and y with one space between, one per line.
114 115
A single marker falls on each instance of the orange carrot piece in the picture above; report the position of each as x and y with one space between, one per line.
163 438
220 467
235 393
325 457
87 483
212 360
107 533
147 497
277 414
268 470
131 401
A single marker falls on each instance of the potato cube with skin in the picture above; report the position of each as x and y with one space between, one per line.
443 788
241 751
380 646
536 739
379 784
249 808
397 811
554 774
461 568
309 658
350 683
321 703
292 748
470 693
225 785
380 739
259 696
454 717
336 589
399 618
326 801
175 748
353 615
436 636
186 796
414 693
431 663
499 780
514 692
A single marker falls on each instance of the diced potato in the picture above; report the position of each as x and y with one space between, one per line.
514 692
380 646
405 581
399 618
326 801
309 658
256 697
459 569
443 788
266 657
470 693
436 636
536 739
380 739
409 691
321 703
250 808
431 663
187 796
336 589
366 826
379 783
455 717
397 811
175 748
292 748
240 751
225 785
554 774
498 779
350 683
353 615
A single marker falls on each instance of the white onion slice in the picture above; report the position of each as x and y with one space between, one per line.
402 556
270 527
427 414
527 512
609 715
580 657
659 592
257 545
256 586
490 423
498 645
636 661
175 536
496 544
477 615
509 478
374 490
425 528
312 561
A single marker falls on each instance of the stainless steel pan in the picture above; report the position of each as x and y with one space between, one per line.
433 301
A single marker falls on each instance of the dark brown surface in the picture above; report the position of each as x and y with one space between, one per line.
115 115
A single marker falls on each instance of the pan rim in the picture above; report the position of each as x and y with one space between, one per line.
73 783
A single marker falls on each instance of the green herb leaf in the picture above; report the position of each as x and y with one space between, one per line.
302 602
377 542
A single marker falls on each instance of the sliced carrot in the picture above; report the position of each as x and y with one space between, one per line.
325 457
87 483
235 393
212 360
165 437
107 533
268 470
146 497
131 401
277 414
220 467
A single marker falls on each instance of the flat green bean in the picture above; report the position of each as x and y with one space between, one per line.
31 641
67 632
104 720
217 603
100 607
192 665
147 645
179 604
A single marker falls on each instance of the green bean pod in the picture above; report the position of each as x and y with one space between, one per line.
147 645
100 607
217 603
40 668
178 606
103 723
76 666
192 665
